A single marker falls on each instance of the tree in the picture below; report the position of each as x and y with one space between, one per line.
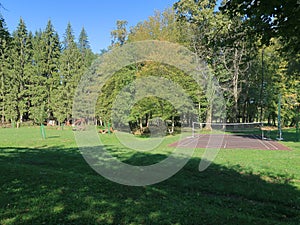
119 35
4 34
223 43
269 19
162 26
71 70
38 90
87 55
20 74
203 27
46 55
236 54
4 65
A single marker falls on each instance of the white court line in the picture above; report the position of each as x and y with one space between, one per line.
188 142
272 145
261 141
185 141
225 144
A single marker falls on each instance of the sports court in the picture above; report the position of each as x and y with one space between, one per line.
229 141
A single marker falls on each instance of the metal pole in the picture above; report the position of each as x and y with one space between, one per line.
262 85
297 124
43 132
279 119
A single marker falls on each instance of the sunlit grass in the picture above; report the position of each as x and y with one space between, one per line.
48 182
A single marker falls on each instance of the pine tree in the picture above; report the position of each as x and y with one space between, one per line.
4 65
38 88
50 64
71 69
87 55
4 34
83 42
20 73
46 54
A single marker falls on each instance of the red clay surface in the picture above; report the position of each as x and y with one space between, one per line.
229 142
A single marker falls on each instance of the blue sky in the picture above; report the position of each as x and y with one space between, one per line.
97 16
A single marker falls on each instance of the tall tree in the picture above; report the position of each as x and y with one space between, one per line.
4 65
162 26
20 73
71 70
119 35
204 25
46 55
223 43
87 55
269 19
236 54
4 34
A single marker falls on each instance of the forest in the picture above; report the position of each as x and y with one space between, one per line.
250 47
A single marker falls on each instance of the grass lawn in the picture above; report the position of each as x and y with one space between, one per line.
48 182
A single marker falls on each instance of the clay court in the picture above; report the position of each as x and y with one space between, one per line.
229 141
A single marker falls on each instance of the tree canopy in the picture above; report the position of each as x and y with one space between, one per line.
269 19
251 49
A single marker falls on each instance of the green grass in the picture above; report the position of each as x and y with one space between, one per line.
48 182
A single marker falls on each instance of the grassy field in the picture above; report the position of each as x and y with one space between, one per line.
48 182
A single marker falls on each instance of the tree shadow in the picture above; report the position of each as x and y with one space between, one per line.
288 135
56 186
53 136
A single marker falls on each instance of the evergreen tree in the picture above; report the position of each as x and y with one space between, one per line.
4 65
87 55
83 42
39 89
4 34
50 64
46 54
71 70
20 73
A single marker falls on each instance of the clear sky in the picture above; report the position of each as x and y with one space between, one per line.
97 16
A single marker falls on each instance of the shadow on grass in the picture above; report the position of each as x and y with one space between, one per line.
56 186
55 136
288 135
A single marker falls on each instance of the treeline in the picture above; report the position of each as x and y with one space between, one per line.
39 72
255 61
250 48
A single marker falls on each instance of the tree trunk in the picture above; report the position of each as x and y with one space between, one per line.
141 124
235 81
244 112
3 115
147 120
209 117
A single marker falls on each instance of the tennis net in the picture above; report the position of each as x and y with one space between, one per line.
236 128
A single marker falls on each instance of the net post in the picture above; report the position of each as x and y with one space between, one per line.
262 130
193 129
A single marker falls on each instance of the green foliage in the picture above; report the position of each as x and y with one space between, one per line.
4 70
231 41
269 19
20 73
120 34
162 26
87 55
71 69
149 107
46 54
38 72
38 77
